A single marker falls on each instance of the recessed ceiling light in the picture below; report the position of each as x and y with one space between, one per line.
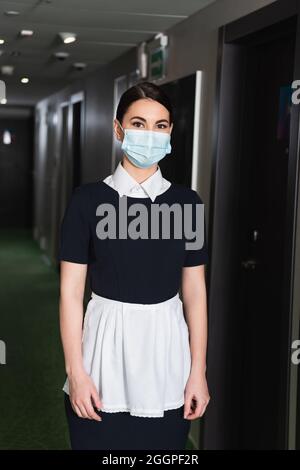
67 38
7 69
61 55
79 65
11 12
2 41
26 32
24 80
3 101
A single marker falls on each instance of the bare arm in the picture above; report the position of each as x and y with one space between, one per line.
82 389
195 308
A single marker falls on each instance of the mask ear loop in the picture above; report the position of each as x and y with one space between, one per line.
121 127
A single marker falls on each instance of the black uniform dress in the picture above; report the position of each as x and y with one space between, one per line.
143 271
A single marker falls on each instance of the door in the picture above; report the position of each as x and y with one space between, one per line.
249 321
69 168
262 214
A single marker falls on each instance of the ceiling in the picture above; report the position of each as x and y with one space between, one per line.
105 29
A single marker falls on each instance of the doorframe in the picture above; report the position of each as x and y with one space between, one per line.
254 22
76 98
198 117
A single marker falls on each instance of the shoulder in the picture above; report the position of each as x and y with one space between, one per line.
88 191
186 194
81 199
80 195
85 189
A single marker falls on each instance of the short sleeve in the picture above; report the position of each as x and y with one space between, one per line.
198 256
74 236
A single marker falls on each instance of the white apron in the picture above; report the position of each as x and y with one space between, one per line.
138 355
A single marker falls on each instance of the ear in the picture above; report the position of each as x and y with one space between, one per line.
117 130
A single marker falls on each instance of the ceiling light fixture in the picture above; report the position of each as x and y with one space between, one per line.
26 32
2 41
24 80
61 55
67 38
11 12
6 137
7 69
79 65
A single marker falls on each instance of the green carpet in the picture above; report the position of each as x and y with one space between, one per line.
31 400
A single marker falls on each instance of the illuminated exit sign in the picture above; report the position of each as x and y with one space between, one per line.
157 63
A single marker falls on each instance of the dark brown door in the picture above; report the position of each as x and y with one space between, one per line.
250 235
262 196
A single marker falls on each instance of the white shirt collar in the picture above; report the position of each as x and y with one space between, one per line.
124 183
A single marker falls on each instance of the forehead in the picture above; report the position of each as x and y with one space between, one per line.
148 109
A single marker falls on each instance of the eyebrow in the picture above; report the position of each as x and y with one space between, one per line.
142 119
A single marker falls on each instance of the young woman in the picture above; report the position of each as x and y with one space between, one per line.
136 373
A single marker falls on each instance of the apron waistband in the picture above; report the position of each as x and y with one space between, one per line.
133 304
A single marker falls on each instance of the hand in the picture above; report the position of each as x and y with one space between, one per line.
196 396
82 389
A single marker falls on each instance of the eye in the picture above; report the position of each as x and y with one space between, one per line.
137 123
164 126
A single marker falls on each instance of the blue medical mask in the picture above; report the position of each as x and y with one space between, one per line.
144 148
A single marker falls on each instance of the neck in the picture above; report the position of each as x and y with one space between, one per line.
139 174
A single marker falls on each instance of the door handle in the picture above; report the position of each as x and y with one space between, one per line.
249 264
